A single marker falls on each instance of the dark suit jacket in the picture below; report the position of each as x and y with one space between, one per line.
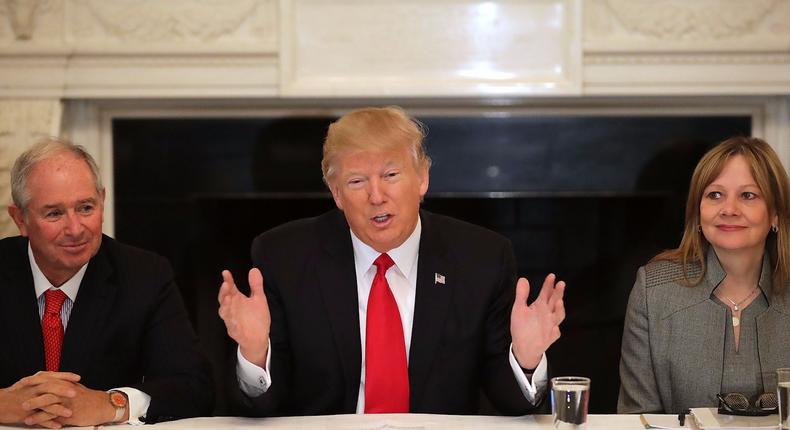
460 336
128 327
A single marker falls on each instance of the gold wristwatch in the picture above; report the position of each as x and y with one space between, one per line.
120 402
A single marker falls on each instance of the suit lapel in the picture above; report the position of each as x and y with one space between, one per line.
772 325
338 285
431 305
89 314
20 306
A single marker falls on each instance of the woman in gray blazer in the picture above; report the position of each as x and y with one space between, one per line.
713 315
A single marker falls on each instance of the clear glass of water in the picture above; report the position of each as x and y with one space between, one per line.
782 391
570 396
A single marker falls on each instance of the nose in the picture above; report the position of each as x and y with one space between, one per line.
375 192
730 206
73 225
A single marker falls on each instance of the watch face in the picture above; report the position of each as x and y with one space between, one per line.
118 399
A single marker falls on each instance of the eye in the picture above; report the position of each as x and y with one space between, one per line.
391 175
748 195
85 209
713 195
53 214
355 182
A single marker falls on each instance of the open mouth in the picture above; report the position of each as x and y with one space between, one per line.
381 219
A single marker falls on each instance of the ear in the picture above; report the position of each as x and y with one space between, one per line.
424 179
775 221
18 216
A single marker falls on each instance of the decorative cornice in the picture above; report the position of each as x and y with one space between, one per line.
695 20
691 58
193 22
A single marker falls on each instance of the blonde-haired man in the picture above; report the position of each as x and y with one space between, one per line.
379 307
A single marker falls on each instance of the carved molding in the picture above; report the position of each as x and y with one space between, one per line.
197 23
692 59
670 19
22 123
684 26
23 20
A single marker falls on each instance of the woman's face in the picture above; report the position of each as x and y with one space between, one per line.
733 212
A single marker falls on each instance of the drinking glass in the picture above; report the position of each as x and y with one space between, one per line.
570 396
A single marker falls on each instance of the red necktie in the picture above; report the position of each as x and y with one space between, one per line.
52 328
386 373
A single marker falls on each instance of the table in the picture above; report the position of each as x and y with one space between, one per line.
387 422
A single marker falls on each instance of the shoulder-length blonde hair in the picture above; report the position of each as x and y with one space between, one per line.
771 178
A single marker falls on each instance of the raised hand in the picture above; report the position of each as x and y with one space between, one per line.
38 399
535 327
247 319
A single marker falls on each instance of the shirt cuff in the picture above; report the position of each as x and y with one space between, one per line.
253 380
138 404
532 386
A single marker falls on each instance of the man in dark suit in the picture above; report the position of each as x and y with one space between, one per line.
81 313
380 307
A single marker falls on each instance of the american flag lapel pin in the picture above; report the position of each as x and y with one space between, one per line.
438 278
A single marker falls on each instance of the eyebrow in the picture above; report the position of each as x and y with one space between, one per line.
79 202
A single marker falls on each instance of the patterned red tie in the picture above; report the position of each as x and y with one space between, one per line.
52 328
386 373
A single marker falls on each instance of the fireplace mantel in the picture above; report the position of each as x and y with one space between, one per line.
68 66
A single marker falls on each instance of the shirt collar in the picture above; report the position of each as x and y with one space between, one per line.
42 284
404 256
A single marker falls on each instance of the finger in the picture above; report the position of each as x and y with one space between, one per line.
547 288
52 424
228 287
48 403
559 313
256 282
522 291
38 418
42 377
40 402
62 389
557 294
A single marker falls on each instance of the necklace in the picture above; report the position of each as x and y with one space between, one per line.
735 306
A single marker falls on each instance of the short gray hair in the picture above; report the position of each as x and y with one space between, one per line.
44 149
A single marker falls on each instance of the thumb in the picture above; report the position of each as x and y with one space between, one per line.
522 291
255 279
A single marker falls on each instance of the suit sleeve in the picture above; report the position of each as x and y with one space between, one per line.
499 381
638 387
177 374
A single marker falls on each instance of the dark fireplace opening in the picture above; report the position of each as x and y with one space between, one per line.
590 198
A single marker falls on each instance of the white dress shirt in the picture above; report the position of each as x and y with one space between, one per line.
402 280
138 400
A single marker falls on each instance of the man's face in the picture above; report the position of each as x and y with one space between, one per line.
380 194
63 219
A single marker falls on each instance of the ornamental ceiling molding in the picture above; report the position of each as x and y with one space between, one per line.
687 58
677 20
248 22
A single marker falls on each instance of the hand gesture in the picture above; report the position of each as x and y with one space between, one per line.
535 327
247 319
38 399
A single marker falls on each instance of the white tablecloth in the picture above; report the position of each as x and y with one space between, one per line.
397 422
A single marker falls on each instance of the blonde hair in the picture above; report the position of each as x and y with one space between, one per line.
771 178
373 129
